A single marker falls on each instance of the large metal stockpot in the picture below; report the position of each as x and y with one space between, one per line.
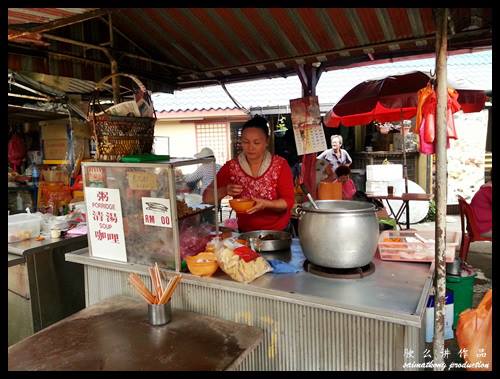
340 234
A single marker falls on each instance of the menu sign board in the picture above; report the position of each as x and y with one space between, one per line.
105 223
157 212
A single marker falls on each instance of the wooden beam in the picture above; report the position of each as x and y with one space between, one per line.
60 22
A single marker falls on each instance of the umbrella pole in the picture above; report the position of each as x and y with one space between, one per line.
405 172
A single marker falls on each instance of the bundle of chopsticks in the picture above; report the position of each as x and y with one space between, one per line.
159 295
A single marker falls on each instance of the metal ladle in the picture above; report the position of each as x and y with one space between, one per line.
308 195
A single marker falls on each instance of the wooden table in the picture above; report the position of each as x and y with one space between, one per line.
115 335
405 198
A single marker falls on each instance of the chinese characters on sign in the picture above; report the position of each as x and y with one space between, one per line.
157 212
307 129
482 362
105 223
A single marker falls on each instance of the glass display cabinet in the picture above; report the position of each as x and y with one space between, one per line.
147 213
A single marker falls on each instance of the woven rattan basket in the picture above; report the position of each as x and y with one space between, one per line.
117 136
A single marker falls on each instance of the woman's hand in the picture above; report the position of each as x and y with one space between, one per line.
234 189
259 205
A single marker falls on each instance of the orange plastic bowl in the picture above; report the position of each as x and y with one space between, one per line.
241 205
202 264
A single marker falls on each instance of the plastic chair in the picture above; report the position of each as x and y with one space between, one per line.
470 231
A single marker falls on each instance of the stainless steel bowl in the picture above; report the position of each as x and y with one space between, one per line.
268 240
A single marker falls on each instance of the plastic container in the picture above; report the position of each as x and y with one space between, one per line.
386 172
401 245
330 191
448 317
462 287
202 264
23 226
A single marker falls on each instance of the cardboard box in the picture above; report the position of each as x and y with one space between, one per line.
55 149
54 129
58 129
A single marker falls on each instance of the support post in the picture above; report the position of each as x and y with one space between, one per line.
115 80
441 186
309 76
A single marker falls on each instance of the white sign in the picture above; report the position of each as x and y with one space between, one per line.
105 223
157 212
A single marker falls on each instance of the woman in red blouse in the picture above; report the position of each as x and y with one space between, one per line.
259 175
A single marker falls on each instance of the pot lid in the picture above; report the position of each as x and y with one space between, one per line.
339 206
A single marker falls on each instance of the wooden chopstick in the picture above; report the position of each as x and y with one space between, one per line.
168 293
141 288
139 285
154 282
159 277
167 289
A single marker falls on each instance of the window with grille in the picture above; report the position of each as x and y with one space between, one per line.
215 136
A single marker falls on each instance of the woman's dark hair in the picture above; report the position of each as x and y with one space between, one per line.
258 122
342 170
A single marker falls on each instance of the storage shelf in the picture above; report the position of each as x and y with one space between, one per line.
55 161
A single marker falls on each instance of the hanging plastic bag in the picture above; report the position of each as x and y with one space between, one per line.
474 335
429 117
16 151
452 107
422 94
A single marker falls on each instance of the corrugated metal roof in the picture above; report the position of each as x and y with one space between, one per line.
18 16
231 44
470 71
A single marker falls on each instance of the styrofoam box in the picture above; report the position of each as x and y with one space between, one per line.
23 226
411 249
385 172
379 187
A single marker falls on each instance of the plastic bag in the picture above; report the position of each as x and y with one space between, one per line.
193 239
239 261
474 335
16 151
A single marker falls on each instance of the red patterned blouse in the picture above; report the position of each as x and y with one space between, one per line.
275 183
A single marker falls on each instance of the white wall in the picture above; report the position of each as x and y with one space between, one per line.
182 137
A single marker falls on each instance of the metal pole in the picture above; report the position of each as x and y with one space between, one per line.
441 185
115 80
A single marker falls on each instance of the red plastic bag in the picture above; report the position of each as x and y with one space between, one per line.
246 253
16 151
474 335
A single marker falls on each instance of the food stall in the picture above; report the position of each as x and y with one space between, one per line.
361 320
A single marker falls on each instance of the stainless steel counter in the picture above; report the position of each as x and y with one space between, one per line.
32 245
309 322
14 260
396 291
42 287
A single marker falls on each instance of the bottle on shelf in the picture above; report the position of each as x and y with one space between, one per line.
19 202
35 174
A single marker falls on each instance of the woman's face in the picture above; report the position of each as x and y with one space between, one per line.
335 144
254 143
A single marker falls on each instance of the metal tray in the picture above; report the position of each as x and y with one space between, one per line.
257 239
